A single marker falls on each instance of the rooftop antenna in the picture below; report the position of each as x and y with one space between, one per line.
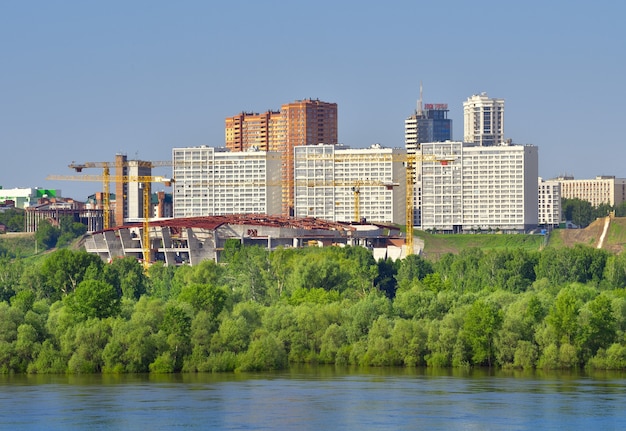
419 103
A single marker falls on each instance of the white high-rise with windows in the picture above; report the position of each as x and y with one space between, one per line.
213 181
341 184
480 188
483 120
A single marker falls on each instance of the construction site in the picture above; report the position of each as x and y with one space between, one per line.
134 227
194 239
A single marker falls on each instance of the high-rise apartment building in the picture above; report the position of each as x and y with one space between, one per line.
212 181
494 187
342 184
483 120
429 123
303 122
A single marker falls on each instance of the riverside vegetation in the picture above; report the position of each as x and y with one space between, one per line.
69 312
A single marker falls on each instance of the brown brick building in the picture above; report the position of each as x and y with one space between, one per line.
303 122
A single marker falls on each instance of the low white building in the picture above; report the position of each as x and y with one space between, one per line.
213 181
604 189
549 203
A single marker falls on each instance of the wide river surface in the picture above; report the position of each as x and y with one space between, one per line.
317 398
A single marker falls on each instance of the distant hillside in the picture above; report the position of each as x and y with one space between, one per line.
438 244
614 241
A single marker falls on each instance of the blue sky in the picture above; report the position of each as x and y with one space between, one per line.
84 80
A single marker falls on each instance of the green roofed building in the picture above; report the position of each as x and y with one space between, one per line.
26 197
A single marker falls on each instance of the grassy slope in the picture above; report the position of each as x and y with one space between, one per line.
615 240
436 245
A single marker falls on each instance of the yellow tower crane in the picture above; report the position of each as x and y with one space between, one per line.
106 178
410 162
144 180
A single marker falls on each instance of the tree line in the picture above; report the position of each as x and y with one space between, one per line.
256 310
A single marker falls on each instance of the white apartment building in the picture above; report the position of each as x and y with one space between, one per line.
604 189
341 184
213 181
549 202
480 188
483 120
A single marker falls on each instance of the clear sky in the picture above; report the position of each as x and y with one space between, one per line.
84 80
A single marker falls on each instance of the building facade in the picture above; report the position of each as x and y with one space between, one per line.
55 210
429 123
483 120
26 197
341 184
480 188
604 189
129 203
549 203
212 181
303 122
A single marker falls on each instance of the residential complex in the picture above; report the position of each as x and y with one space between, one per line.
549 203
604 189
342 184
483 120
479 188
303 122
286 167
212 181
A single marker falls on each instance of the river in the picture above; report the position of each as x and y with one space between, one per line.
317 398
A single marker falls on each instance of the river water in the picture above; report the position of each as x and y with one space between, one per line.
317 398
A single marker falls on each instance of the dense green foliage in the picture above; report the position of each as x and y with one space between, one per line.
559 308
582 213
13 219
49 236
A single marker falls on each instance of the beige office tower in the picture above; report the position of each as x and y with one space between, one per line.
483 122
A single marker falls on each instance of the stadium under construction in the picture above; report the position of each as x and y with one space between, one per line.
194 239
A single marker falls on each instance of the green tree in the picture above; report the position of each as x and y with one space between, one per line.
597 326
563 316
482 322
94 299
580 212
205 297
127 276
65 269
266 352
13 219
160 278
10 272
47 235
91 337
412 268
385 281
